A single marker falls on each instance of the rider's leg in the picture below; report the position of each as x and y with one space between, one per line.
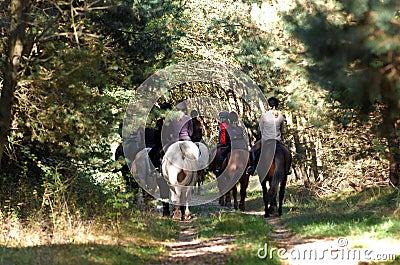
222 157
255 148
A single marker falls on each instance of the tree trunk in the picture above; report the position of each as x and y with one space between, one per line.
313 151
300 156
19 12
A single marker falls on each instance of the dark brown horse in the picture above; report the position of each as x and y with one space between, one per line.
277 178
231 169
243 181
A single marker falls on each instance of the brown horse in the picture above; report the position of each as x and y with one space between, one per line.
277 178
230 170
243 181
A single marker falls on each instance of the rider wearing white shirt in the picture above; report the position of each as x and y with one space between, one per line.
271 127
271 124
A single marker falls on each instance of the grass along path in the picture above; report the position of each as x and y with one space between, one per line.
366 220
347 227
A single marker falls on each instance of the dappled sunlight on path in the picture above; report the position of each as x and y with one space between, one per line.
190 249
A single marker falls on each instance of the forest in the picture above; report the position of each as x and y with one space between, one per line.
69 70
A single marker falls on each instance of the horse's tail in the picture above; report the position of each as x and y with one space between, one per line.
195 159
279 172
190 156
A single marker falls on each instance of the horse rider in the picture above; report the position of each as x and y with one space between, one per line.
223 125
179 126
155 152
197 133
235 136
271 128
222 137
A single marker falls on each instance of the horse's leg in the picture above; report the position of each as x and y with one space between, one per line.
244 183
234 194
202 178
273 205
228 202
221 183
182 209
273 189
175 198
282 194
221 200
265 197
165 208
164 194
200 183
186 199
183 198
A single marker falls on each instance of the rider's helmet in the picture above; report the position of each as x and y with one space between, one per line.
223 114
181 105
194 113
233 117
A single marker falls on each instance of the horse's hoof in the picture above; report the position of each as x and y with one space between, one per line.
176 218
177 215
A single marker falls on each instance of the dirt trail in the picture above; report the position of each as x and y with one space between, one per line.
282 237
189 249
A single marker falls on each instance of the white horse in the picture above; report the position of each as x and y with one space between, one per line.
180 167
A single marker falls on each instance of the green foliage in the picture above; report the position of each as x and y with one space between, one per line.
141 34
352 48
120 204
